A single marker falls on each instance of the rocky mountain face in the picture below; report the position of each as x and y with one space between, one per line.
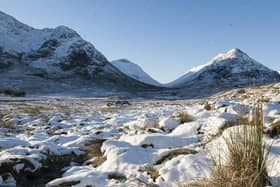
226 71
134 71
58 58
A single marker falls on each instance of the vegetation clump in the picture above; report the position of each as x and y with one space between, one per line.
207 106
274 129
116 176
151 171
184 117
246 159
13 93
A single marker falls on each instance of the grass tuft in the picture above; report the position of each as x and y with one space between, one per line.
184 117
116 176
207 106
245 165
151 171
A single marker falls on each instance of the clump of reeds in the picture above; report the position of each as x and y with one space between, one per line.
245 165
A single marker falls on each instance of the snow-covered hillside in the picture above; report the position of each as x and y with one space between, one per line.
38 57
134 71
46 48
235 62
225 71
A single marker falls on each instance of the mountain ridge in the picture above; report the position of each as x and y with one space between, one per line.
59 59
232 57
134 71
55 55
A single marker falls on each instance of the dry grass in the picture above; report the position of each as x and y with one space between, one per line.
245 164
171 154
151 171
243 121
6 124
93 154
117 176
184 117
274 129
207 106
110 109
246 156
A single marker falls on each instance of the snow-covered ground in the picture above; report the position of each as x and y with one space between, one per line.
106 142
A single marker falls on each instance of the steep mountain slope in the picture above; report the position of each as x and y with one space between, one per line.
225 71
134 71
29 57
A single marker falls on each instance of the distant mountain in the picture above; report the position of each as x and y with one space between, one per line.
59 60
53 60
134 71
225 71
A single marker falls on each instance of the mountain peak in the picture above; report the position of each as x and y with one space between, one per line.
10 24
64 32
236 53
233 53
233 66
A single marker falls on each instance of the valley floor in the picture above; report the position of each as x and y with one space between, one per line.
64 141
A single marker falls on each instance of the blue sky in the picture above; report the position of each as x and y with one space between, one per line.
165 37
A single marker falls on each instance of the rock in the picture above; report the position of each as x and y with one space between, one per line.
168 123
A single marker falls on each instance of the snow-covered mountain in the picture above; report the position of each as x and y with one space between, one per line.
134 71
32 57
59 60
225 71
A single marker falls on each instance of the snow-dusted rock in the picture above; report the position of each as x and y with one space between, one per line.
12 142
186 129
143 122
22 155
271 113
81 176
125 158
158 140
184 169
238 109
273 160
168 123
